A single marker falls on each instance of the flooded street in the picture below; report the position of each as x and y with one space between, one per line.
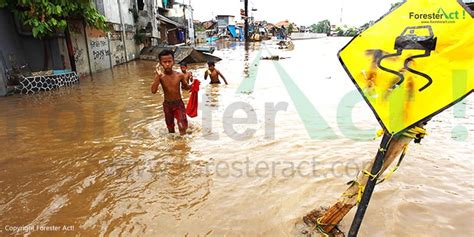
281 139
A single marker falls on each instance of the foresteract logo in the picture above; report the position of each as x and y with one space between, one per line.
441 14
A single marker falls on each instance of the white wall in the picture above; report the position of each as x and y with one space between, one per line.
79 45
132 49
154 22
117 48
98 46
177 11
126 14
111 10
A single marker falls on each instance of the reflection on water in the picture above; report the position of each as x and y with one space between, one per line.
212 95
98 157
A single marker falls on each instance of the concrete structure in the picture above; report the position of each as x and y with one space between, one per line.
183 14
95 50
87 50
147 24
22 53
119 14
172 32
176 23
33 84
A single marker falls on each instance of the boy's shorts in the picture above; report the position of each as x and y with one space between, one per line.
175 109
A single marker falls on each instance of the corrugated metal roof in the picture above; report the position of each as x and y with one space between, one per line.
167 20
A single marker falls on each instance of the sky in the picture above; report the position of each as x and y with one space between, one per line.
301 12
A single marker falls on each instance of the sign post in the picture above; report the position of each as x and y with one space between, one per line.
412 64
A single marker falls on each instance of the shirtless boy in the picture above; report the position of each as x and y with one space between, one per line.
171 82
214 74
184 70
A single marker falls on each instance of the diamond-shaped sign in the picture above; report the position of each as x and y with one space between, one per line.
415 62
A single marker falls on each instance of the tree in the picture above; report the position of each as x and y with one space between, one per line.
322 27
47 17
395 6
290 29
351 32
339 31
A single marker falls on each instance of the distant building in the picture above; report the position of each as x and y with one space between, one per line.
171 31
223 21
286 24
148 25
183 14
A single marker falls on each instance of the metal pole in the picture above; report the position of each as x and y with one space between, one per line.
123 32
246 27
369 188
87 47
108 35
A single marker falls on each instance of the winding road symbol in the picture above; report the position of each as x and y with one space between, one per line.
412 41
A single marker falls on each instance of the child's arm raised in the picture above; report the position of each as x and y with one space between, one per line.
184 82
190 76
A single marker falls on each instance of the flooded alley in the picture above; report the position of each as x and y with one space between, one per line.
281 139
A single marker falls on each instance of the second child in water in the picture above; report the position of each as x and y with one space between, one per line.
188 74
214 74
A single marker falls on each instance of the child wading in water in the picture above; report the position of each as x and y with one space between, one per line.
214 74
171 82
184 70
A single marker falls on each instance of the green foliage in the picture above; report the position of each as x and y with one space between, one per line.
290 29
46 17
322 27
140 37
351 32
395 5
366 26
199 28
3 3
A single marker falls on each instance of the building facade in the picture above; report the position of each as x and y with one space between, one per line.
21 53
223 21
183 14
133 24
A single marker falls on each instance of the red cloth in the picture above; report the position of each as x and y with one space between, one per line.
192 107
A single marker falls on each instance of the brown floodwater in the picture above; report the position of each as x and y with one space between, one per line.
96 159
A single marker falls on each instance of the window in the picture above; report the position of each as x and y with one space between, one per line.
141 5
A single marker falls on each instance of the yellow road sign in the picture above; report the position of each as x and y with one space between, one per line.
415 62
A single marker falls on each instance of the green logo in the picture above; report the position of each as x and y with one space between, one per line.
441 14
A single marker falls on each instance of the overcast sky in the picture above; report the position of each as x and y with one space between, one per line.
302 12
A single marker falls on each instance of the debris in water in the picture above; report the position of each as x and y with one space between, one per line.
273 57
309 225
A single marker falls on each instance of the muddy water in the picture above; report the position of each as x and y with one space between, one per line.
96 159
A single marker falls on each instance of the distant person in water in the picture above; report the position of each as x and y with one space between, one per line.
171 81
188 75
214 74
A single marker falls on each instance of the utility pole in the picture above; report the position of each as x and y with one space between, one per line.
124 34
246 26
342 11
